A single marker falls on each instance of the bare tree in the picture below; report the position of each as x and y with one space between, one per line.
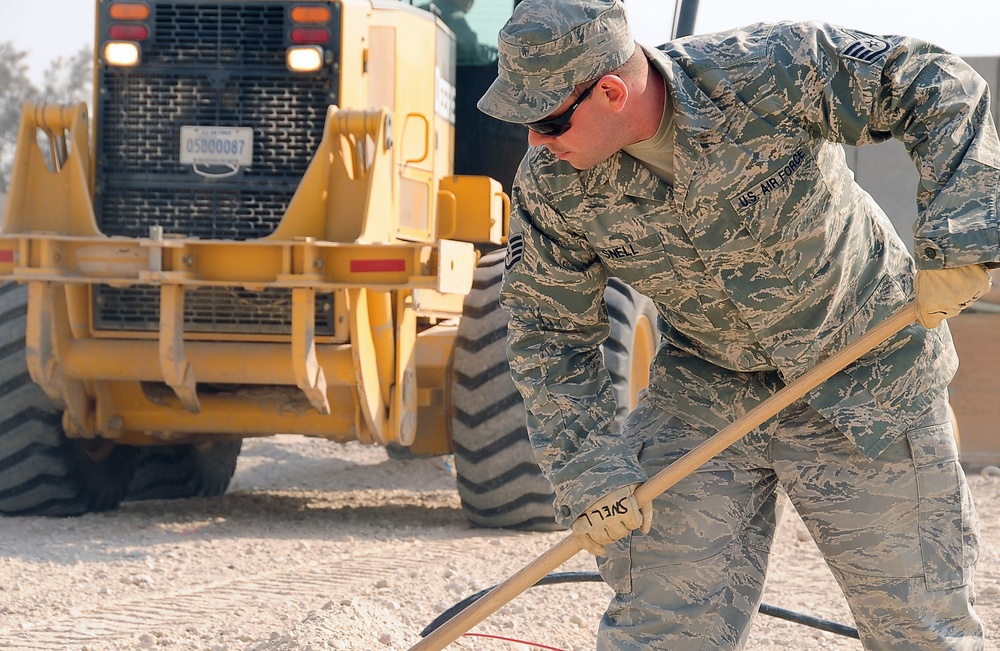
70 80
15 88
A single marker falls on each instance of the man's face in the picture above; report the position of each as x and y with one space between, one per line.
586 142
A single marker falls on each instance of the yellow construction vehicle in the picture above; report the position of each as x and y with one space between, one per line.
265 234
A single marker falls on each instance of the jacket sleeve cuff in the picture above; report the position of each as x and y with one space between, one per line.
574 496
958 252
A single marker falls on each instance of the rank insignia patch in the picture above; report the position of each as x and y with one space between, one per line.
866 49
515 250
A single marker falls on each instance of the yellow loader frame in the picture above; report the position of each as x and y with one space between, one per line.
378 379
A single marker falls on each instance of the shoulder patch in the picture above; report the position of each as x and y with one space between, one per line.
865 49
515 251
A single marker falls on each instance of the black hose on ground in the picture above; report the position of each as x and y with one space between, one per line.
594 577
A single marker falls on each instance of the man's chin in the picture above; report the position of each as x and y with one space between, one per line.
574 161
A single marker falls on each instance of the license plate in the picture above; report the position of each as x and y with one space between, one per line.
216 145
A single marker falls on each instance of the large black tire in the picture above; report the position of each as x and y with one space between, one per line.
499 481
42 472
631 344
183 470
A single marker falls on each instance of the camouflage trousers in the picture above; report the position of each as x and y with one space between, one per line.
899 533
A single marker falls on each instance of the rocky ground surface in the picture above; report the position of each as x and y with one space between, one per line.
322 546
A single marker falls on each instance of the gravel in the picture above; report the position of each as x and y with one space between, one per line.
322 546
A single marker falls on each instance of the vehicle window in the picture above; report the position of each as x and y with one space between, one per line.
476 24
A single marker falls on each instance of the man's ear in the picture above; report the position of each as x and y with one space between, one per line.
614 91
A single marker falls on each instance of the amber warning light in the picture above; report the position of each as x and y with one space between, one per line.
128 11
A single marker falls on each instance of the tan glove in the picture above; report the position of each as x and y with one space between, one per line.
943 293
610 518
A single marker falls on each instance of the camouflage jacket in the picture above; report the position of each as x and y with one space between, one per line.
764 257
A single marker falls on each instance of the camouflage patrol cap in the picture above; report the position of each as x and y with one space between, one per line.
549 46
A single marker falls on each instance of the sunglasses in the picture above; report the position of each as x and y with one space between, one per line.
555 127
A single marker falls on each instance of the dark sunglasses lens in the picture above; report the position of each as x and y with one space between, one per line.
555 127
551 128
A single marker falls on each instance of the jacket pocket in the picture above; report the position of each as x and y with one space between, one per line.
792 214
645 265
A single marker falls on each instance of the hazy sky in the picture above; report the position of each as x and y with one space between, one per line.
52 28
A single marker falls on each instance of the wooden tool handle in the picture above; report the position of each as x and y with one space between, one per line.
678 470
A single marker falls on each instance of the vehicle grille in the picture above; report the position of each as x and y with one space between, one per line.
205 64
140 134
234 213
234 34
207 309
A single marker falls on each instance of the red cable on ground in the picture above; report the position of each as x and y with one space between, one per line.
533 645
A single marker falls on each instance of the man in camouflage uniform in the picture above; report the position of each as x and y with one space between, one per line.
709 175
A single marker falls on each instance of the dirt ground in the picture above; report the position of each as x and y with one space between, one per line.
324 546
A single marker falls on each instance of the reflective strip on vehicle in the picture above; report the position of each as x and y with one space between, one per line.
367 266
